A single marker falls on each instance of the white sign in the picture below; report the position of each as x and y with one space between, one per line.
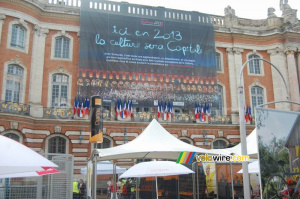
89 178
178 103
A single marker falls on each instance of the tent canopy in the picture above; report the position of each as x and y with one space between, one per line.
105 168
252 147
153 142
17 158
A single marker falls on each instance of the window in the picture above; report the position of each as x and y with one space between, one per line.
62 47
13 83
254 65
60 84
218 62
106 144
18 37
186 141
57 144
257 97
219 144
13 136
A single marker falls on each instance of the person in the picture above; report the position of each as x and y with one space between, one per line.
132 190
108 185
82 188
75 189
126 190
113 189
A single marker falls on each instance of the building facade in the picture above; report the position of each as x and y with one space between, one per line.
39 48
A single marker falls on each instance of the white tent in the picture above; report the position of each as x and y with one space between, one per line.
252 147
17 158
153 142
253 167
104 168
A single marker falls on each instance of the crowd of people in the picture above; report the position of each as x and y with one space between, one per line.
124 189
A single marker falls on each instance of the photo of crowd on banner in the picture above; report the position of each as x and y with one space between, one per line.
146 87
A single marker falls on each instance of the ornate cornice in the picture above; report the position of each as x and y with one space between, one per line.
2 17
276 51
237 51
290 50
40 31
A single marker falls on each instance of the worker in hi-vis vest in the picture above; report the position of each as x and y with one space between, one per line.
75 190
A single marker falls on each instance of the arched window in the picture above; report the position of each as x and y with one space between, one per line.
57 144
218 62
254 65
105 144
13 83
219 144
18 37
60 87
62 47
185 140
12 136
257 96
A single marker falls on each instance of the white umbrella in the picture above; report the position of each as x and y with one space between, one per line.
17 158
253 167
46 171
104 168
154 169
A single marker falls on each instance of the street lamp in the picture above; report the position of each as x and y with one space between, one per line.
246 180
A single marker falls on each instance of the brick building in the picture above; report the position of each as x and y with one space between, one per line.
39 48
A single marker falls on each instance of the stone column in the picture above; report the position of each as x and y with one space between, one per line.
293 77
278 58
37 69
233 86
2 18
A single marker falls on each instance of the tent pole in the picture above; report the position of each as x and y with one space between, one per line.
156 187
95 172
178 188
232 188
115 180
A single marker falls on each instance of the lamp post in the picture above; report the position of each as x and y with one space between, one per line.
246 180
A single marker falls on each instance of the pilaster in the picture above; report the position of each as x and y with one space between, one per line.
233 84
37 69
278 58
293 77
2 18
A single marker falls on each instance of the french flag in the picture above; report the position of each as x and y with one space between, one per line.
171 109
208 112
75 106
249 113
128 109
196 111
203 112
117 108
246 114
78 106
131 109
82 113
161 110
158 110
124 110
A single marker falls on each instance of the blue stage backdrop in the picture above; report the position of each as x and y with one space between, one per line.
146 54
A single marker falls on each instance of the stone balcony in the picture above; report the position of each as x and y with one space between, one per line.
228 23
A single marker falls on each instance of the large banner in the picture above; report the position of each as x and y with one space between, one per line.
157 55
